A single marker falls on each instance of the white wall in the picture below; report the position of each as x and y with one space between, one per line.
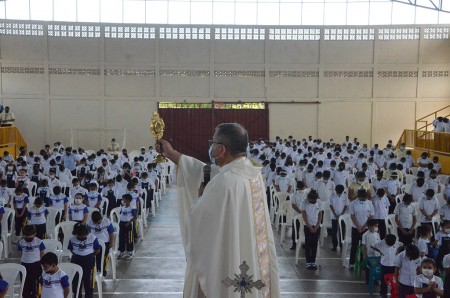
366 83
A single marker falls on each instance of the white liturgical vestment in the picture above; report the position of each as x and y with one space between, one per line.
227 225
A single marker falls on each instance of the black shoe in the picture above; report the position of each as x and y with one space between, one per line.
334 249
293 247
313 266
104 273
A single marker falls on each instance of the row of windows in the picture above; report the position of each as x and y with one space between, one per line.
226 12
143 32
229 73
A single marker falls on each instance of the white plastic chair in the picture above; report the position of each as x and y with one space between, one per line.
114 250
10 273
279 198
53 214
287 206
143 216
99 275
63 187
442 179
104 206
157 193
67 229
409 179
406 188
1 249
392 227
399 198
347 240
71 270
90 211
140 220
301 235
54 246
32 188
114 216
7 232
440 197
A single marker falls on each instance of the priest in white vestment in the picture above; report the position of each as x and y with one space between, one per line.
227 224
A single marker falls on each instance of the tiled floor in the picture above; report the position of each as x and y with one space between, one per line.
158 268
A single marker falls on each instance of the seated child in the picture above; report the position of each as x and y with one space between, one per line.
424 245
78 211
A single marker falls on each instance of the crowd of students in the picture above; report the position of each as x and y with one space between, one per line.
368 184
71 181
441 124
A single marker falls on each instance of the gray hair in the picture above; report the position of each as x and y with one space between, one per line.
233 136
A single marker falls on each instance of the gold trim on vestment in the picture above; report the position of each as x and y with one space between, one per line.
261 231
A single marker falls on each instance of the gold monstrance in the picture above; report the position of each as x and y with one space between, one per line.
157 129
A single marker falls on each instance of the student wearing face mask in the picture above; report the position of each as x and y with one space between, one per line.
406 218
32 249
312 212
444 211
427 285
341 175
418 189
369 238
128 215
78 211
443 242
388 249
433 182
338 205
54 282
37 216
429 207
297 199
360 210
359 184
84 247
76 188
103 229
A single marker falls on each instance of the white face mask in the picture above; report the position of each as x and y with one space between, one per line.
447 231
375 230
427 272
78 201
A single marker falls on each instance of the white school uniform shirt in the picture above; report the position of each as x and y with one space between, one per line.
420 279
428 206
325 190
20 201
297 198
433 184
309 179
405 214
5 193
102 230
389 252
376 184
53 284
362 211
77 212
31 251
37 215
76 190
338 202
392 186
340 178
422 245
418 192
127 213
368 239
53 183
445 212
283 183
85 247
312 211
439 235
380 206
407 271
58 201
300 173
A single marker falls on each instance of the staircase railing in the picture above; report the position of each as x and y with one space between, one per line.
426 140
426 122
11 140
